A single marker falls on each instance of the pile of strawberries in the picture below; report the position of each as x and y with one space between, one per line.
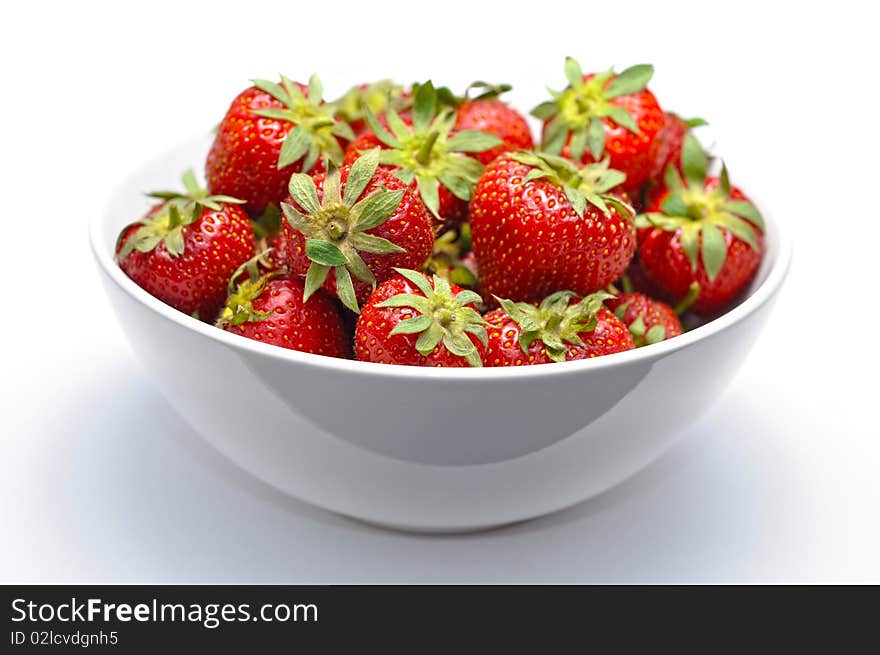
408 225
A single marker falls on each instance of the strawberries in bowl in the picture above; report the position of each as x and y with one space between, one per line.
405 224
431 319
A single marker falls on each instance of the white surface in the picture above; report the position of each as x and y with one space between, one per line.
101 482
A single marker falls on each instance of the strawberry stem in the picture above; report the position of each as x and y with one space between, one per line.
424 154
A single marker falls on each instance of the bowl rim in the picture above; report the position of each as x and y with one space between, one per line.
777 271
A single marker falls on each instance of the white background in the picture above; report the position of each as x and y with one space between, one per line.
100 481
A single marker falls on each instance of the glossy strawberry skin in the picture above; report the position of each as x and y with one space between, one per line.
409 227
453 209
215 245
652 312
609 336
495 117
529 241
315 326
243 160
664 261
629 152
373 341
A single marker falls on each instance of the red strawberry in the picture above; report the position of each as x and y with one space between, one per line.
490 114
272 310
452 209
540 224
361 221
269 132
700 230
554 331
604 114
648 320
185 249
375 96
420 321
429 152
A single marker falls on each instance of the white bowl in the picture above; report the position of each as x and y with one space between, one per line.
419 448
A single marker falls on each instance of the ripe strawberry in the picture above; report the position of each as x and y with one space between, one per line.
648 320
604 114
185 249
490 114
375 96
420 321
554 331
703 230
269 132
360 220
540 224
453 210
429 152
270 308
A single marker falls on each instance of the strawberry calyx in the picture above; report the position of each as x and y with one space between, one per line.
555 322
578 110
377 97
484 90
316 126
477 90
425 151
588 184
443 317
239 306
166 223
336 227
700 213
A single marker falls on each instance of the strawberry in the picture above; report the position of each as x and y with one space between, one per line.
604 114
429 152
557 330
490 114
270 308
377 97
649 321
540 224
269 132
700 230
420 321
185 249
359 221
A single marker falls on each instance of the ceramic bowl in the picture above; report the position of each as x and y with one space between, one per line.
417 448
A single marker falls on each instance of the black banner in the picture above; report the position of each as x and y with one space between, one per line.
136 618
